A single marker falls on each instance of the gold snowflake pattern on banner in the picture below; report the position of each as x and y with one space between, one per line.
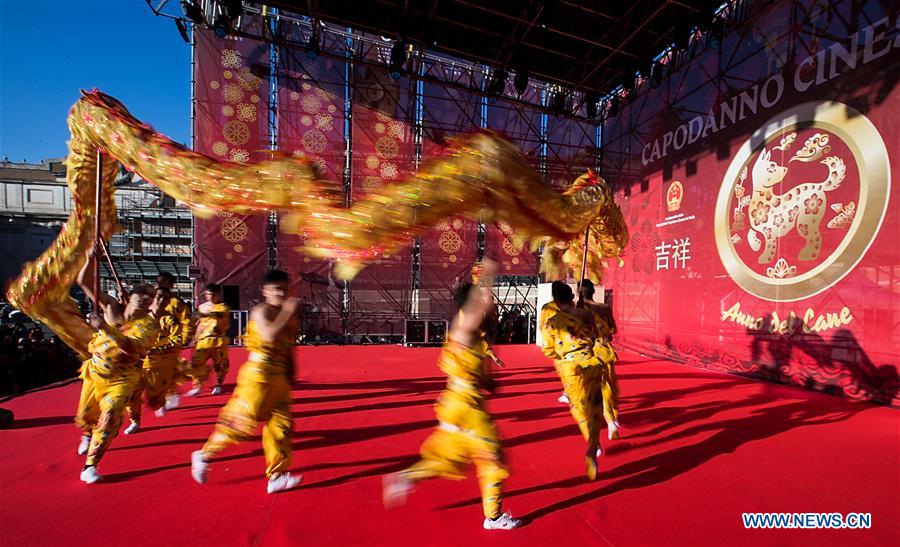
228 110
246 112
234 229
254 99
372 162
236 132
314 141
387 147
227 75
395 129
450 242
389 171
370 183
310 104
321 165
214 84
233 93
294 95
324 122
248 80
238 248
231 58
239 155
442 225
219 148
380 128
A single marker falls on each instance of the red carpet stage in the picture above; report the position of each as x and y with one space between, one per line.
699 449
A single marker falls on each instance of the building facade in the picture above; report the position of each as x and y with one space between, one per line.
35 202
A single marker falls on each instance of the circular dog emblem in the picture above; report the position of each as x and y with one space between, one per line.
802 201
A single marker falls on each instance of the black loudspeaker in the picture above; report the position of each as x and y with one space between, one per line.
437 332
415 331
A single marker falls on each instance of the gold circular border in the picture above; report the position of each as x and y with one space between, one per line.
870 153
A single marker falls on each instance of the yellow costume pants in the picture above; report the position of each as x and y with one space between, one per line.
200 372
465 434
260 396
583 387
157 379
609 385
100 408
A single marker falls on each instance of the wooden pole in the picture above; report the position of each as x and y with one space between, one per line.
96 265
112 268
587 235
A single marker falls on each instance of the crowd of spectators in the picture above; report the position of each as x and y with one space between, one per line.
29 358
513 327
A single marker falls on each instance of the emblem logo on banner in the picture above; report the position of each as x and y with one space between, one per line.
793 219
674 195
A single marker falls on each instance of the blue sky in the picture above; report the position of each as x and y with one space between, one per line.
51 50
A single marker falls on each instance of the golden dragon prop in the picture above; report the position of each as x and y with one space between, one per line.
481 175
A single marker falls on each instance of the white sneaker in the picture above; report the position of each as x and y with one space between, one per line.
216 390
198 466
84 445
160 412
503 522
172 401
90 475
282 482
564 399
394 490
613 430
193 392
133 428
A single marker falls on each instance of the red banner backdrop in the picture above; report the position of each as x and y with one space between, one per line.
311 117
231 90
446 254
524 126
759 189
383 152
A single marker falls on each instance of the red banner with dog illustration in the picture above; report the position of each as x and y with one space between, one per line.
758 181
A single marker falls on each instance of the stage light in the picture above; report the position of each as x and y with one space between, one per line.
716 32
182 29
398 59
222 26
628 79
497 84
520 81
656 74
233 8
312 47
558 102
192 11
590 104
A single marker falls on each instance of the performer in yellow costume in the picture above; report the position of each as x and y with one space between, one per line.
548 310
263 391
465 432
603 350
211 341
569 338
158 371
123 334
181 312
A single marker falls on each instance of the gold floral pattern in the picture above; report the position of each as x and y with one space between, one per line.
314 141
246 112
231 58
236 132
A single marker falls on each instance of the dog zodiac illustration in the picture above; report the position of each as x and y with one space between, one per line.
775 215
